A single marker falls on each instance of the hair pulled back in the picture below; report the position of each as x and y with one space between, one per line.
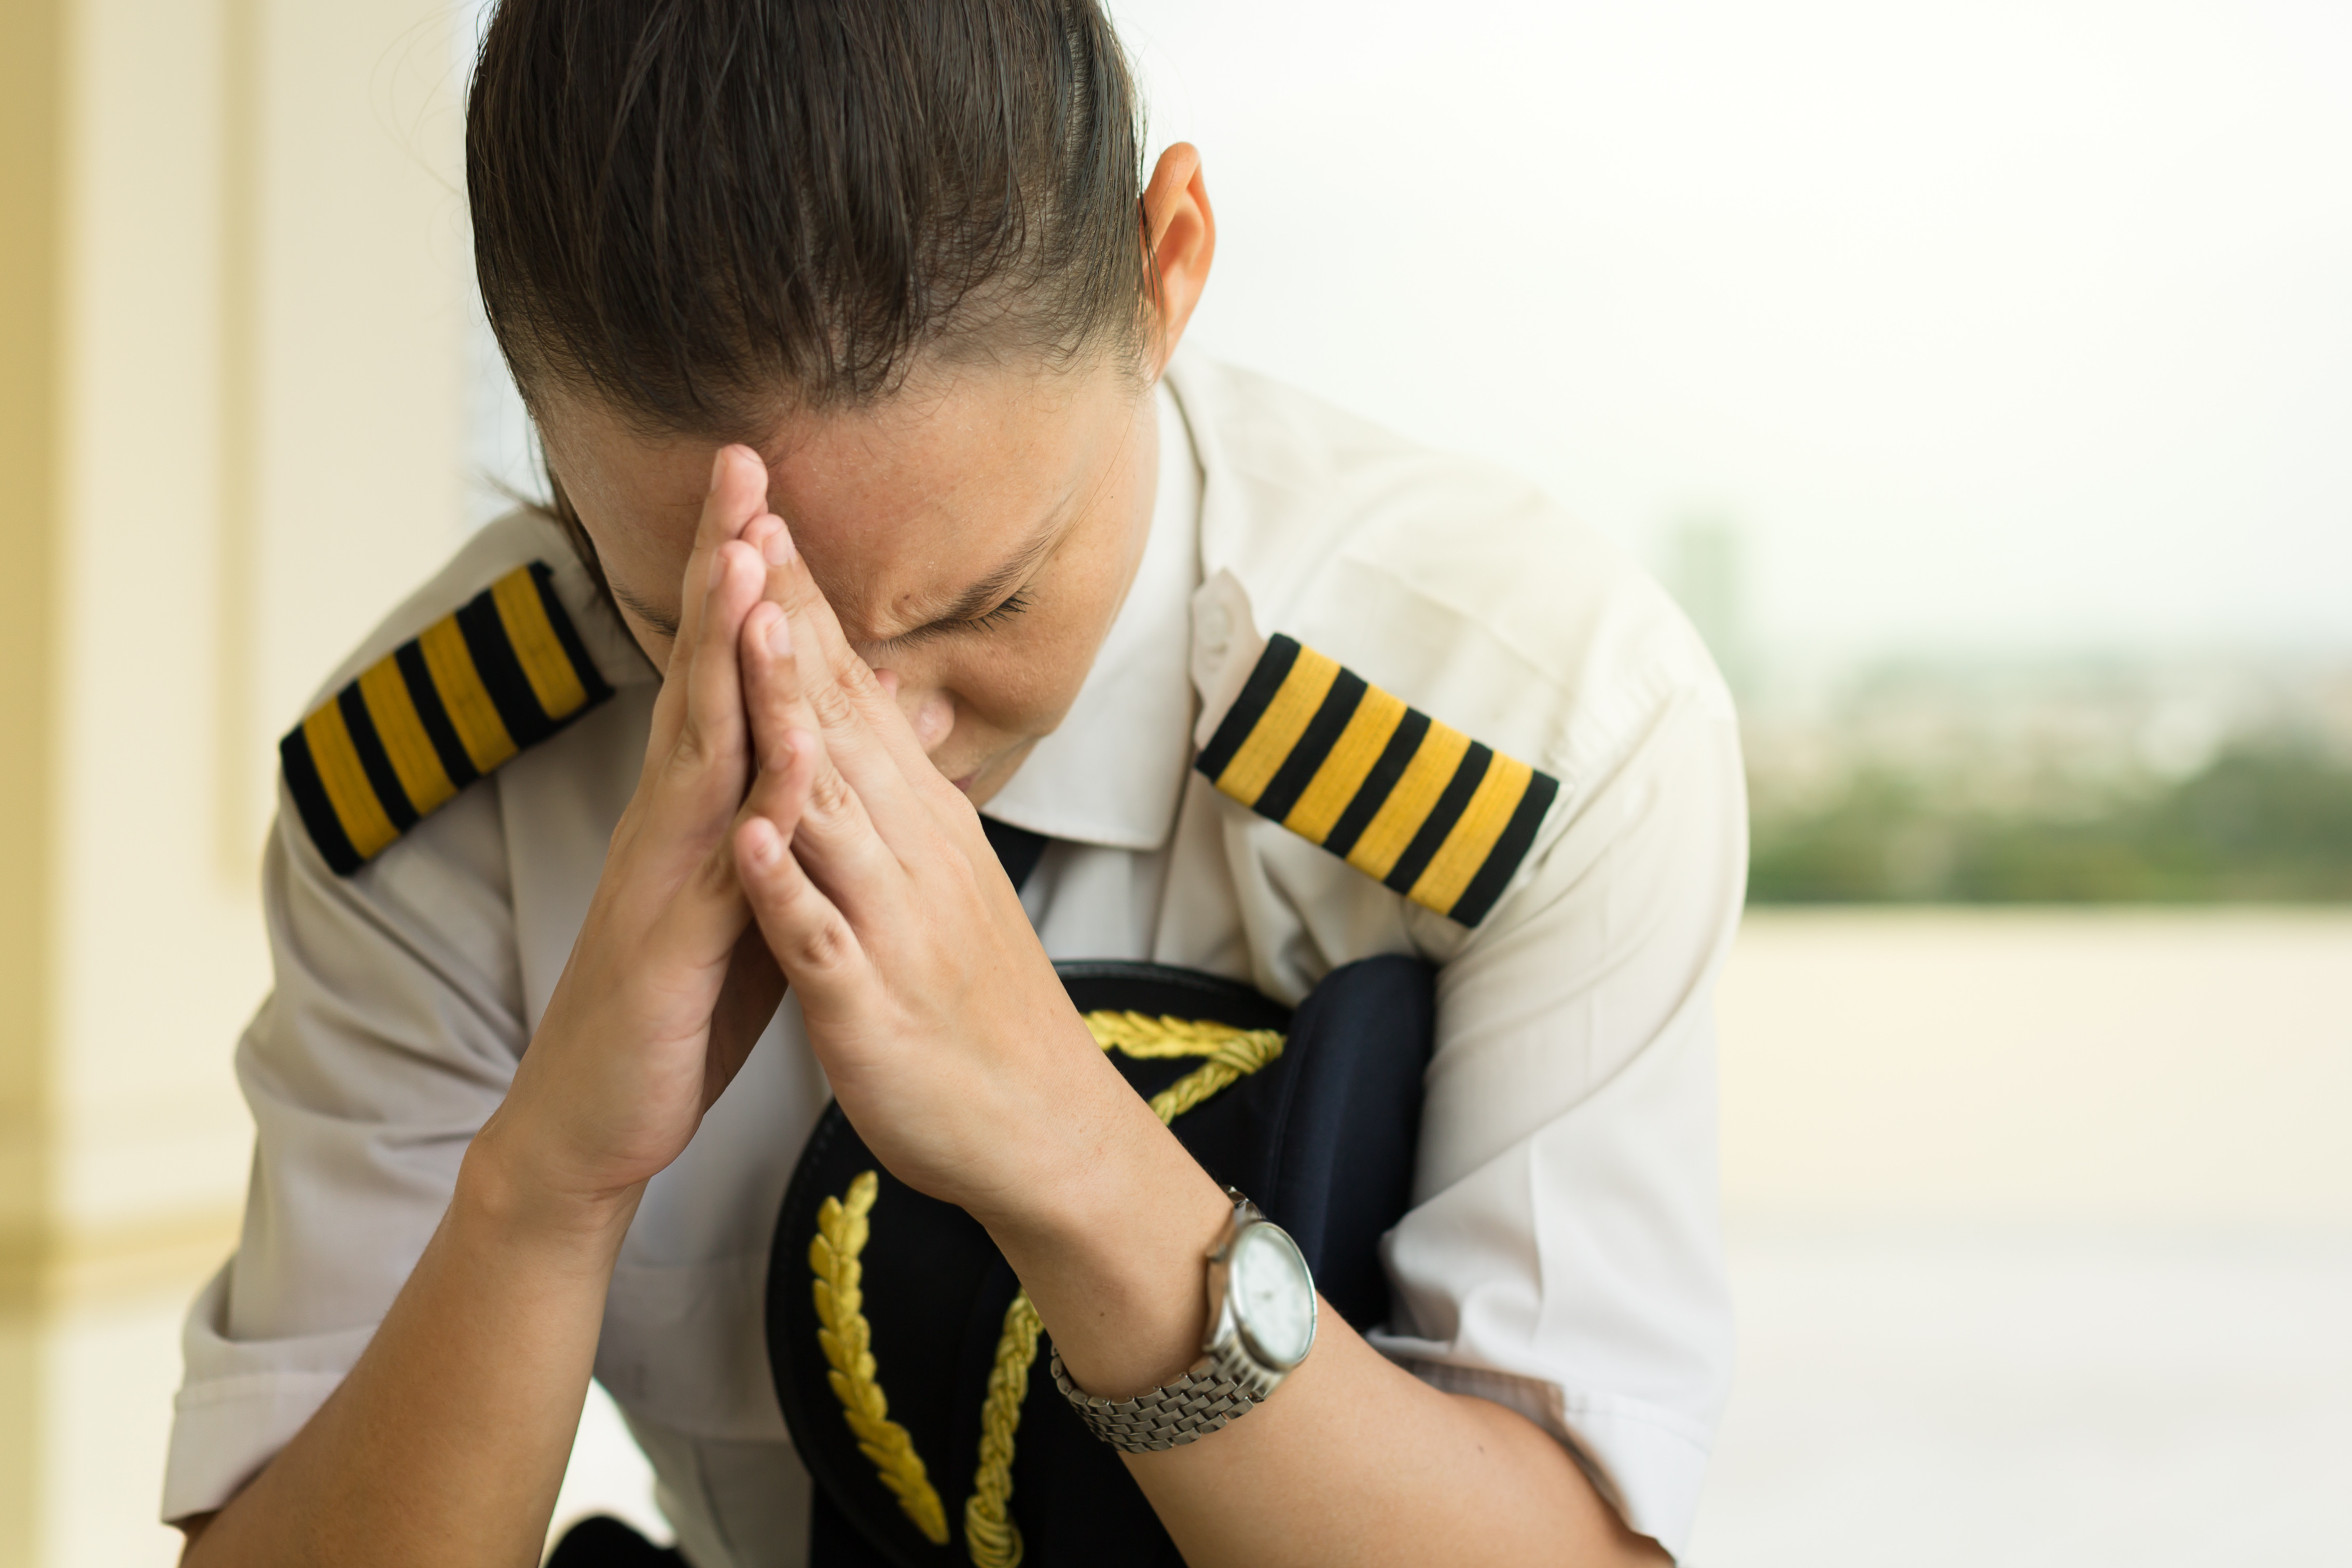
704 212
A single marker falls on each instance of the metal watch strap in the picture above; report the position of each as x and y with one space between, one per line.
1221 1385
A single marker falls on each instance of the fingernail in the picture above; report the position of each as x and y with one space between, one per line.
718 466
780 636
778 546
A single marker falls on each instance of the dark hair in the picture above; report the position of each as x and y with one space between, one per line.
706 211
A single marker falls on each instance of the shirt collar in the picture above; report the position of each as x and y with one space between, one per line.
1114 772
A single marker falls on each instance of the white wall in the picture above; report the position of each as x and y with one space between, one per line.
258 313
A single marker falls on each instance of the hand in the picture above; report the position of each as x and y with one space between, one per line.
668 985
948 1038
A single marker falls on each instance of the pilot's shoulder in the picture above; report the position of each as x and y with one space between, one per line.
1441 661
506 645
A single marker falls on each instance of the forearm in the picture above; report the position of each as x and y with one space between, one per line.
1353 1459
448 1441
1356 1460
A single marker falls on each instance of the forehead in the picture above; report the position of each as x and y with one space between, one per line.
910 499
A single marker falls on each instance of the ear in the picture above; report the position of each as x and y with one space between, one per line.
1183 233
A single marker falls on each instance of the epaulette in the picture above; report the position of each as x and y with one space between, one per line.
502 673
1412 803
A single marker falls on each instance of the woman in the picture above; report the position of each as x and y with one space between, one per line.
892 498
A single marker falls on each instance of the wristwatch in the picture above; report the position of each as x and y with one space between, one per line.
1261 1326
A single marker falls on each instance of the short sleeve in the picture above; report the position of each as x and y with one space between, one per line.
391 1035
1563 1255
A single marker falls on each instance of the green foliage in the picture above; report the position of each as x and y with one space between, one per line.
2271 823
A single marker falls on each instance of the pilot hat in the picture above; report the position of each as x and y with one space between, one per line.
911 1372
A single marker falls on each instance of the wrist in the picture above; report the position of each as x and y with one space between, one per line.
1085 1192
1113 1249
503 1193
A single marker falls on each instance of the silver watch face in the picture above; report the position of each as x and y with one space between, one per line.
1273 1296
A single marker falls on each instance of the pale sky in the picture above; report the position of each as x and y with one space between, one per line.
2016 326
2009 324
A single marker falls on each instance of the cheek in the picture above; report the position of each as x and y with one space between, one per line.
1016 682
1023 686
1010 685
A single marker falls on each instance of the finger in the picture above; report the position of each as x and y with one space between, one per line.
869 696
703 918
761 529
865 731
689 789
737 497
813 941
706 775
837 835
712 740
788 687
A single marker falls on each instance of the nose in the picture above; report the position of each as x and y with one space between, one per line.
930 713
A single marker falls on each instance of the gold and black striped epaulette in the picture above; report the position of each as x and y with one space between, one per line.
505 671
1408 801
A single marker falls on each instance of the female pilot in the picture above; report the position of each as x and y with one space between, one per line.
890 516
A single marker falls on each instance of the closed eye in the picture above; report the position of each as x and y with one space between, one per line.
1014 604
1006 609
979 606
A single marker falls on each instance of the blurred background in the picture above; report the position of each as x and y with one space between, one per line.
1977 375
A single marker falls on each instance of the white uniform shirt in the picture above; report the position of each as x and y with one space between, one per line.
1562 1255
